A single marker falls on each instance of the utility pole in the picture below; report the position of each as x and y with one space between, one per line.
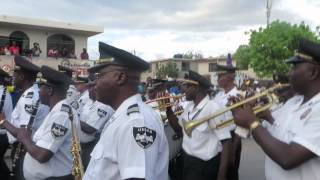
269 5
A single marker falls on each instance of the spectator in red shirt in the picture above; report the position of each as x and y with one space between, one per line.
84 54
14 49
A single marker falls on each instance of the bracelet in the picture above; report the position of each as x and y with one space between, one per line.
254 125
2 121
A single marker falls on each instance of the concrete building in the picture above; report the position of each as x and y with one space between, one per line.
203 66
49 35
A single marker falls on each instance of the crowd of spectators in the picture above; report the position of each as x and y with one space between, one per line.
10 49
35 51
14 49
65 53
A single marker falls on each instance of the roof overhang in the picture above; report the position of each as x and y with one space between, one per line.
29 23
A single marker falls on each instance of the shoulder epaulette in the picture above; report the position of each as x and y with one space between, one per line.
65 108
133 109
29 95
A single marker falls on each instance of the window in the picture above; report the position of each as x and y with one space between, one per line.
60 45
22 41
212 67
185 66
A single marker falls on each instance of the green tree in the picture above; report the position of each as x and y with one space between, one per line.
192 55
270 47
168 70
242 56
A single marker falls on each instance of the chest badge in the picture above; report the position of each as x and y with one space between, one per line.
305 114
144 136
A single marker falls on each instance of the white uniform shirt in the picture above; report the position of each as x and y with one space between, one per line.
222 98
132 145
204 142
22 112
298 123
73 96
54 135
84 98
95 114
7 106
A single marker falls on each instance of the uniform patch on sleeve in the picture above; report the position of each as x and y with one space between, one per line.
74 104
144 136
29 95
69 93
58 130
28 108
133 109
65 108
101 113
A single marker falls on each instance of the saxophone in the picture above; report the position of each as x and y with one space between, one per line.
19 150
77 166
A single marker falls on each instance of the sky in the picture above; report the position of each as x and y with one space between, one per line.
158 29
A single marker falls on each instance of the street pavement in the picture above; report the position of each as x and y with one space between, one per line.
252 161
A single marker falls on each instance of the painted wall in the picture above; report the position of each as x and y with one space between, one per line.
41 36
6 62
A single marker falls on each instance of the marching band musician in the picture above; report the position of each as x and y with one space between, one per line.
6 109
133 144
24 77
73 94
226 77
158 90
206 151
292 143
48 151
93 117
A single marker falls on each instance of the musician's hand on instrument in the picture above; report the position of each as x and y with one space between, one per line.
2 116
265 115
243 116
24 135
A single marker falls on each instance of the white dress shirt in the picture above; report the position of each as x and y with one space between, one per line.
55 135
205 143
297 123
132 145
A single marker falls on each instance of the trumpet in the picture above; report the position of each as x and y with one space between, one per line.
269 93
165 101
177 112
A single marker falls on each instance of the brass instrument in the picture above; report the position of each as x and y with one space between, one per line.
177 112
164 102
269 93
19 149
77 166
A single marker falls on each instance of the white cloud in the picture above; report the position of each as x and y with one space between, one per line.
159 29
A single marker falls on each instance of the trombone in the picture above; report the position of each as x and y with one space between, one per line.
189 126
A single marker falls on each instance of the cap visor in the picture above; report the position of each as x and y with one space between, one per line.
97 68
294 60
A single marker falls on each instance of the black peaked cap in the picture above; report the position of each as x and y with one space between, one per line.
3 73
65 70
308 51
225 69
204 82
53 77
22 63
119 57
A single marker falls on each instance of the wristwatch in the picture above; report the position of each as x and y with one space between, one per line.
254 125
